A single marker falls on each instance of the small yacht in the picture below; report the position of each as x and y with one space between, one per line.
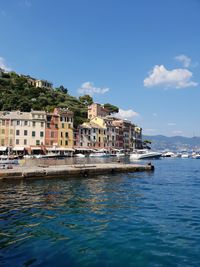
196 155
144 154
169 154
185 156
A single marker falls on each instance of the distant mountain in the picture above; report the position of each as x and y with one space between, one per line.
161 142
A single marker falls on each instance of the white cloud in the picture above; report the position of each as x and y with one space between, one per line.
3 64
126 114
171 124
185 60
176 78
89 89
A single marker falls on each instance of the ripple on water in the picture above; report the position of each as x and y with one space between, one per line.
140 219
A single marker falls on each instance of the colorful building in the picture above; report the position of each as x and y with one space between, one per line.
97 110
65 127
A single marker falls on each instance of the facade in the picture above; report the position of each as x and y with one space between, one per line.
22 130
51 131
108 136
43 84
65 127
91 135
97 110
38 131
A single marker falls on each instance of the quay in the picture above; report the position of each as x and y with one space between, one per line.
67 171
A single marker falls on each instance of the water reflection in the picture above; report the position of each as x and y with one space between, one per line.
114 220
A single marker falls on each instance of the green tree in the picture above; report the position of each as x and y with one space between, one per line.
111 108
86 100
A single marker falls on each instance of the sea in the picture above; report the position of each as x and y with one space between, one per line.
134 219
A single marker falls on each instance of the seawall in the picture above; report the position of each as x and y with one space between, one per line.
79 170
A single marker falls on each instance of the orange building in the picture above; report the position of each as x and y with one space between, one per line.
51 131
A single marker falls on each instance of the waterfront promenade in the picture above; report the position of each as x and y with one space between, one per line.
83 170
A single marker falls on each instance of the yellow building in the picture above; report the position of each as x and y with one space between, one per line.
65 127
6 130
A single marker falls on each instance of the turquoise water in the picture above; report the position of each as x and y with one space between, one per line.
141 219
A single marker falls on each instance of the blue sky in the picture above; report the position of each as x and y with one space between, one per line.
141 55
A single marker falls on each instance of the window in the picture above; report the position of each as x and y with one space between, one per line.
81 131
63 125
25 123
18 122
61 142
99 131
94 137
74 143
25 132
81 144
52 134
61 135
94 130
3 131
17 132
37 142
3 122
11 142
33 134
99 139
33 123
48 125
17 141
42 124
25 142
66 135
56 126
48 118
66 143
2 142
51 143
41 134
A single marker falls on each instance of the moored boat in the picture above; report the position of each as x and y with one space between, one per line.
144 154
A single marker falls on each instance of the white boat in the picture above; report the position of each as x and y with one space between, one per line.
99 154
195 156
144 154
169 154
120 153
79 155
9 161
185 156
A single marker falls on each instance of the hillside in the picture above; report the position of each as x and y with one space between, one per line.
161 142
16 93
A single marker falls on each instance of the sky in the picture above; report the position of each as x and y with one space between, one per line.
140 55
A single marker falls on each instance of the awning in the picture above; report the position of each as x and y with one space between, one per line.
83 149
19 148
60 149
3 148
36 148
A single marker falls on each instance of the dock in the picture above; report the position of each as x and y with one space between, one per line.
67 171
